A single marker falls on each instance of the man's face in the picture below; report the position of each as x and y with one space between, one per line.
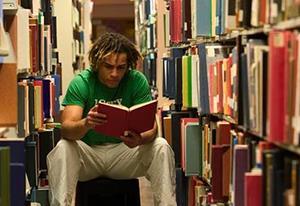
112 69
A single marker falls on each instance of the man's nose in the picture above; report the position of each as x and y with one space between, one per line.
114 72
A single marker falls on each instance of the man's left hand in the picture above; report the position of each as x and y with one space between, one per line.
131 139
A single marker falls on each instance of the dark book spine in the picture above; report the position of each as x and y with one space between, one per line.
178 83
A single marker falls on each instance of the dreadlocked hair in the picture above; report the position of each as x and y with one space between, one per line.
110 43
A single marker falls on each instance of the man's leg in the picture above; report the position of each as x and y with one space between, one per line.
68 162
154 160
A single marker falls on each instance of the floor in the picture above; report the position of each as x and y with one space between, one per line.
145 192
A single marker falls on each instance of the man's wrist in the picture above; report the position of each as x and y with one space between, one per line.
146 139
86 124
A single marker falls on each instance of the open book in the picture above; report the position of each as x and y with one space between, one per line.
138 118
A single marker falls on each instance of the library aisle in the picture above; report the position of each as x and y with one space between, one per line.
226 74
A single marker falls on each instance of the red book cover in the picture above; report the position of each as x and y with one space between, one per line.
229 85
211 87
172 19
176 21
263 12
277 85
223 137
34 45
223 132
262 145
217 167
253 188
138 118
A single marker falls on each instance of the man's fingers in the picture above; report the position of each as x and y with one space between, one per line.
131 139
95 118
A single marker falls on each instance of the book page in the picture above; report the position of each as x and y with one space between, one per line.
114 106
141 105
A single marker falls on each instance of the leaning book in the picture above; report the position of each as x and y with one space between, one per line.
138 118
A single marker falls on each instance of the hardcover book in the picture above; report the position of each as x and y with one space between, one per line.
138 118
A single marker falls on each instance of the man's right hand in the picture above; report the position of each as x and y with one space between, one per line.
94 118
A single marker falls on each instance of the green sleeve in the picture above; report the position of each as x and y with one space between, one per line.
77 92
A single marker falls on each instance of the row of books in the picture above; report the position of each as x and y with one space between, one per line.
23 160
31 86
146 9
12 172
78 36
37 147
32 50
250 81
236 167
147 38
191 19
38 102
206 78
36 39
31 76
146 25
149 68
265 64
241 81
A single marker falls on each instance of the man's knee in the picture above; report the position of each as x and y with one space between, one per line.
64 144
162 146
63 148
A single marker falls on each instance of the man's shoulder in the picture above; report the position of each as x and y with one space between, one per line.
135 74
85 75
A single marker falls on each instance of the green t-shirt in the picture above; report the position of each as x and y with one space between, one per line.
86 90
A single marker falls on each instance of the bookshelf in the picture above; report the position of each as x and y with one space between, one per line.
35 67
145 36
74 28
244 55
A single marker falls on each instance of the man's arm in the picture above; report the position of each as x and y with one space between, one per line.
74 127
149 135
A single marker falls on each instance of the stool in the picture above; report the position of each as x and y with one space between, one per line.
108 192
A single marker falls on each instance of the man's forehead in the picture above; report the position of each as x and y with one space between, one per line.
115 57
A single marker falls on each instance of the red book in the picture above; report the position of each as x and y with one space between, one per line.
34 45
253 188
138 118
219 168
263 12
229 85
211 86
277 85
223 132
176 21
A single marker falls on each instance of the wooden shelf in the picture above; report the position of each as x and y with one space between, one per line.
288 24
291 148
